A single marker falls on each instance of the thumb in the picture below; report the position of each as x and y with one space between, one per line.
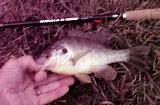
23 63
27 62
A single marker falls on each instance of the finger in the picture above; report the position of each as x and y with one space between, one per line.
27 62
53 95
57 84
10 64
50 78
40 76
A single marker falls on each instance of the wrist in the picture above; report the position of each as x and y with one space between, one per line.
3 99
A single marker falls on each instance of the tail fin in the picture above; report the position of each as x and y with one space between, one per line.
136 56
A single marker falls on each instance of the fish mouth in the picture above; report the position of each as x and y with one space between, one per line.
42 68
43 65
50 67
40 61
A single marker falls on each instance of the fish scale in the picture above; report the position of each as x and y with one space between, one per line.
80 57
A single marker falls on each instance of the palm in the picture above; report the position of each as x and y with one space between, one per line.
19 86
26 88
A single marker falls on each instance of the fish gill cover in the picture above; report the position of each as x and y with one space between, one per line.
131 87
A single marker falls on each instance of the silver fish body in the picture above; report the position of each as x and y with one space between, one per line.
73 56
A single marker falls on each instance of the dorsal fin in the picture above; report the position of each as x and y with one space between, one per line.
100 36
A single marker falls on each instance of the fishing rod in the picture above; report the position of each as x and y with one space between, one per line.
146 14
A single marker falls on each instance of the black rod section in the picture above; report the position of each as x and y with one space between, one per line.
49 21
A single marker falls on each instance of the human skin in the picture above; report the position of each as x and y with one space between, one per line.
21 80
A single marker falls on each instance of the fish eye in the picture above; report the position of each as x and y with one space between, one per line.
64 50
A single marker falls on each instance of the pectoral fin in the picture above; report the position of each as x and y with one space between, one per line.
84 78
108 74
77 57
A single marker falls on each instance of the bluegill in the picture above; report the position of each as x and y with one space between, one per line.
80 56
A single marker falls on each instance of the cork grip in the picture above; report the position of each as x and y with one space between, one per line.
147 14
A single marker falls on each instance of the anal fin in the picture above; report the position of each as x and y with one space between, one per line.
108 74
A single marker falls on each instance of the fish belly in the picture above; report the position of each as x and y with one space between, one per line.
90 63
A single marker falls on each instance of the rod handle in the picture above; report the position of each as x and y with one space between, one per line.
147 14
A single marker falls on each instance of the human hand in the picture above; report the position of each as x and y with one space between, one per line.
21 83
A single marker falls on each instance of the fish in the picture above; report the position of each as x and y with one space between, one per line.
81 56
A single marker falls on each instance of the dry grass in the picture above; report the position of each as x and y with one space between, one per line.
131 87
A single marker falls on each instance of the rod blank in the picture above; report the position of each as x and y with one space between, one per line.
48 21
